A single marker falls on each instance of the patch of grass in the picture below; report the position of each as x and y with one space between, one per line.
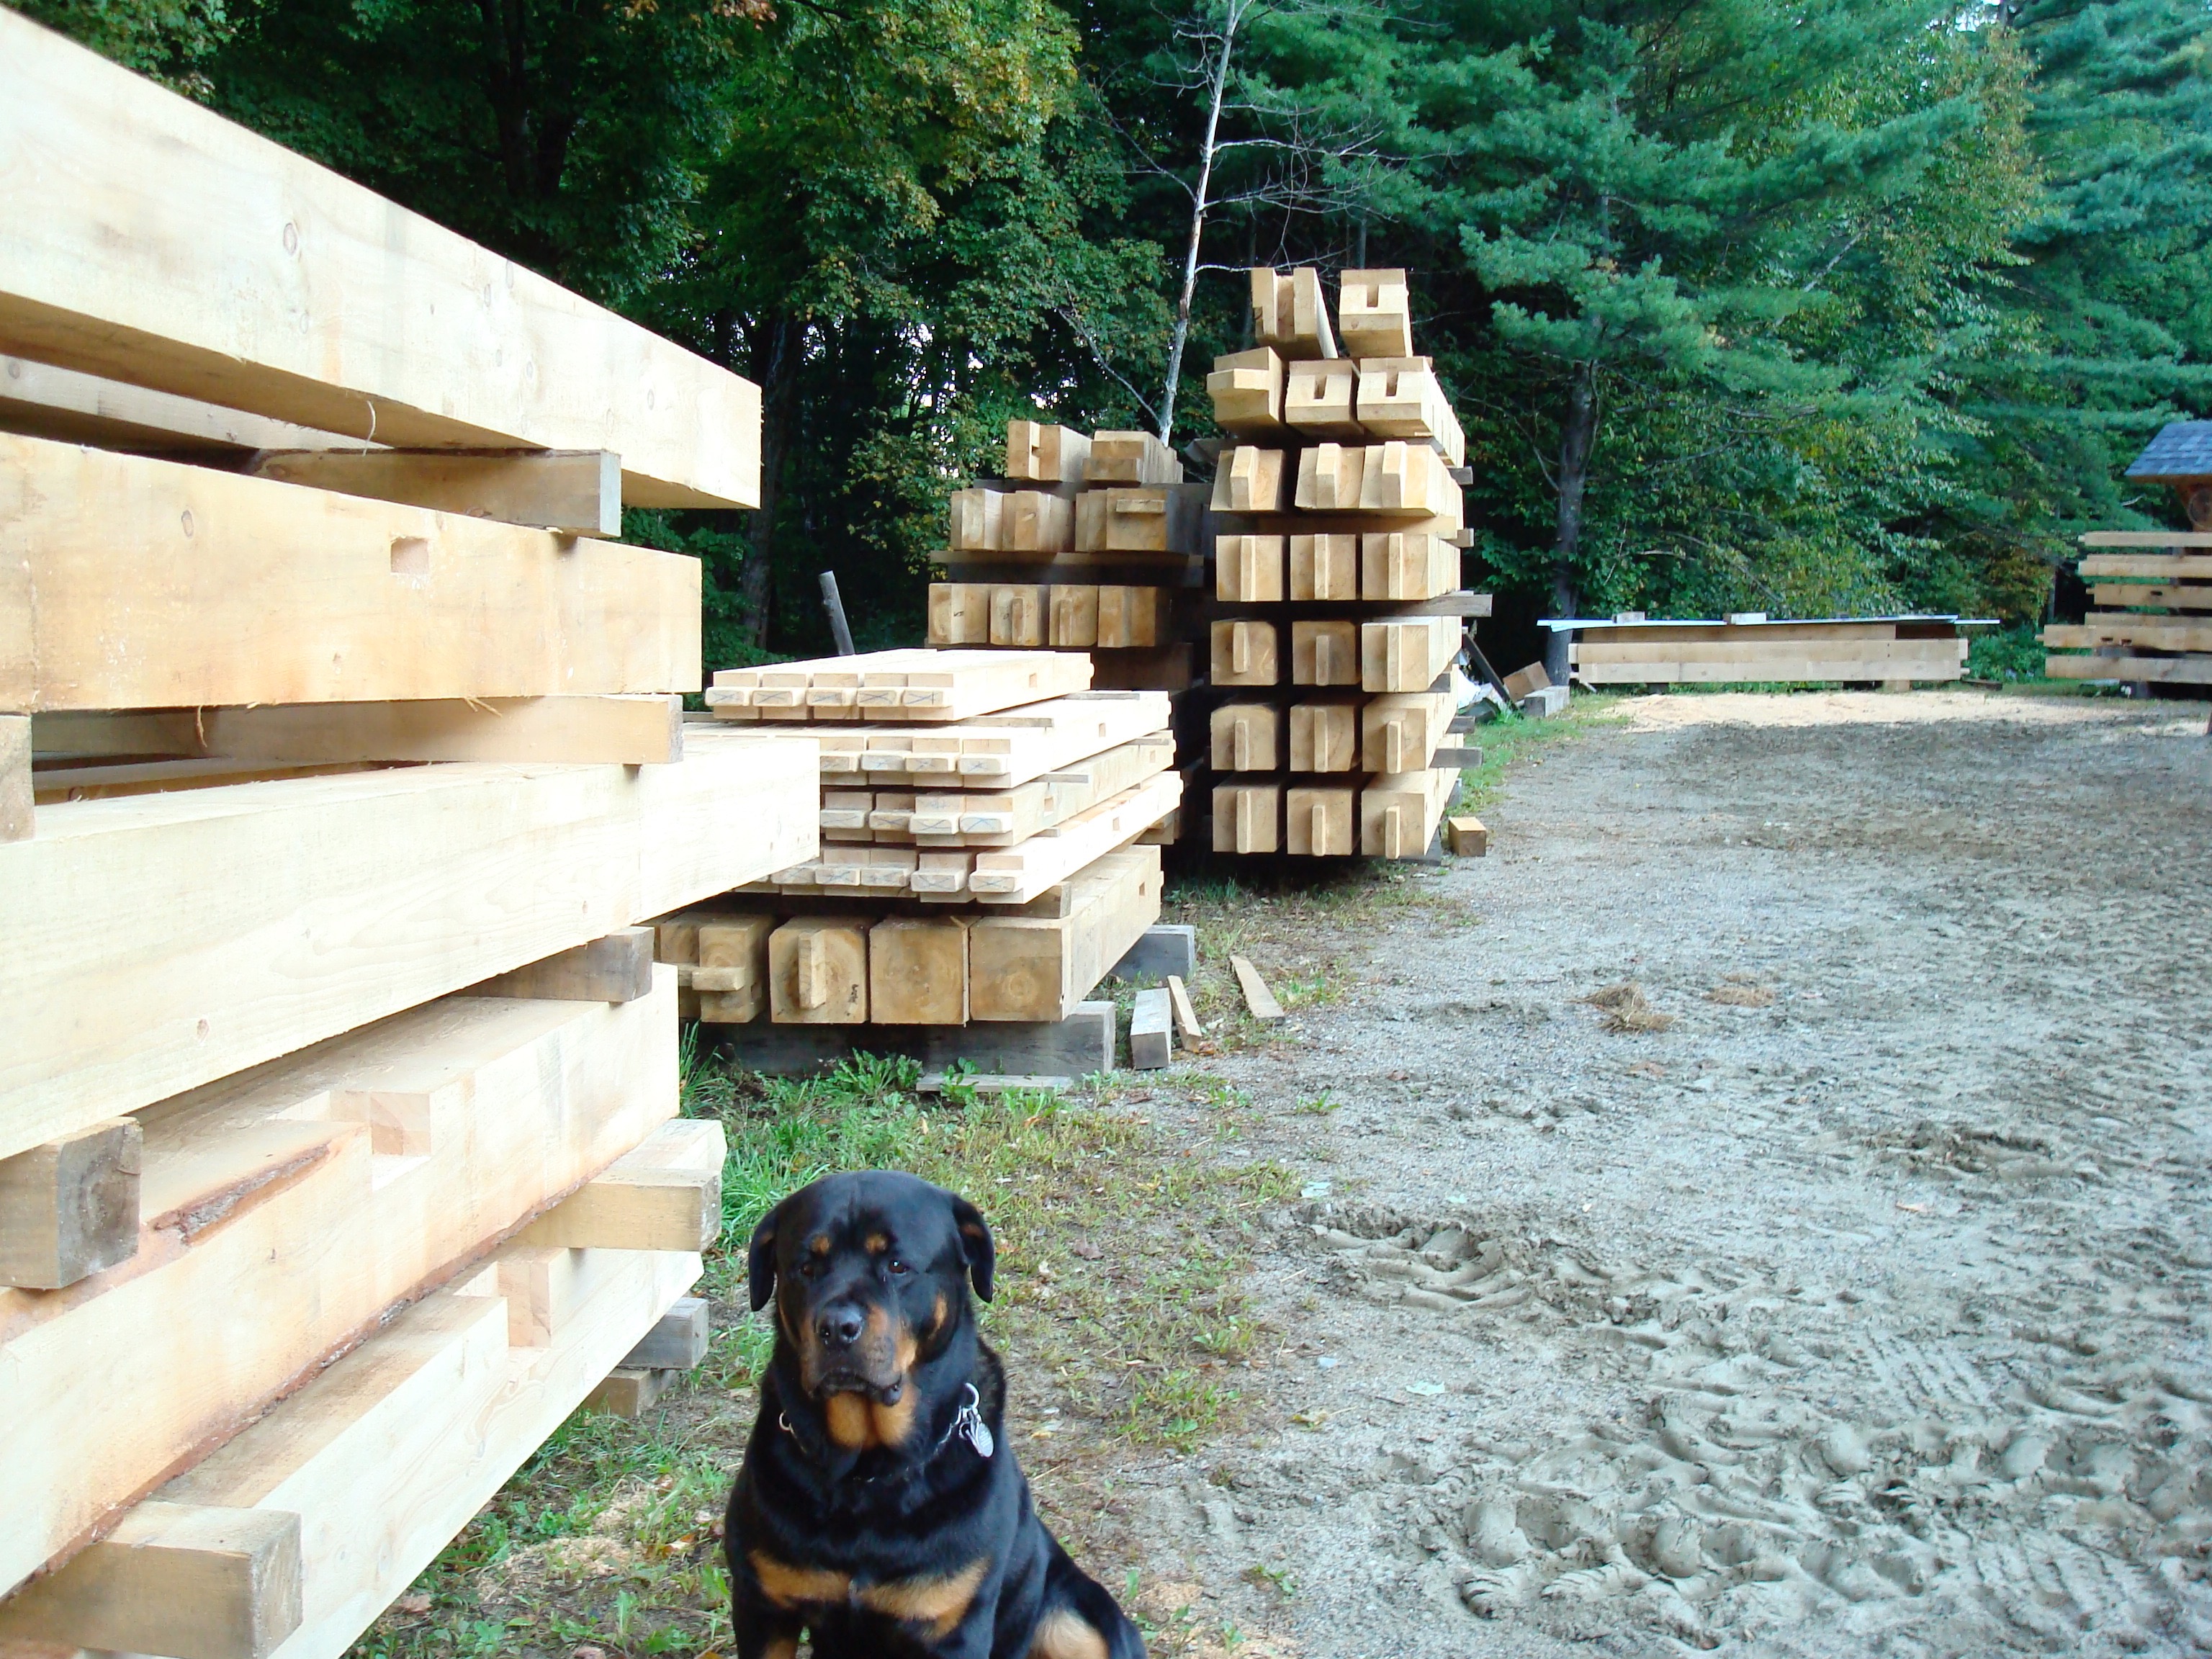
1512 738
1120 1300
2009 656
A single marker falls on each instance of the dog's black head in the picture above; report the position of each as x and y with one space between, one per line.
869 1273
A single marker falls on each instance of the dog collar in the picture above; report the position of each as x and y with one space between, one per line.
967 1422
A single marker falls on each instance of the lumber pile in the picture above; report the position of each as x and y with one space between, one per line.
339 1160
1893 651
989 866
1338 608
2153 588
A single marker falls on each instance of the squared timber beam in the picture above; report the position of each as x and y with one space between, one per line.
577 492
157 242
70 1207
188 1580
616 968
41 401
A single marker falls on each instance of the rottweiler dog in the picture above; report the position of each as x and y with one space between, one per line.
880 1509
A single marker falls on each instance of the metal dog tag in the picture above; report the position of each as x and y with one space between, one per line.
969 1424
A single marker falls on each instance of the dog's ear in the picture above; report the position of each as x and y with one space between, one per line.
760 1261
976 1244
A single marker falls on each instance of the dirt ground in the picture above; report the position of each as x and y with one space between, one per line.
1862 1308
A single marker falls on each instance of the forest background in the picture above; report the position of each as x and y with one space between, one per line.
1816 308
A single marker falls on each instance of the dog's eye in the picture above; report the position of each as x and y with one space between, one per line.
897 1267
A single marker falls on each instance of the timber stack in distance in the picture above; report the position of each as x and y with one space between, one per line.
1337 609
342 762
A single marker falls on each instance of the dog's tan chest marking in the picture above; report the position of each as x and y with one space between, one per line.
939 1602
1064 1634
782 1647
849 1423
790 1587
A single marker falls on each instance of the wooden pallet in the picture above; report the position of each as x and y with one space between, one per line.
922 686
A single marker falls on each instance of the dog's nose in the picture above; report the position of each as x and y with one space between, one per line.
839 1328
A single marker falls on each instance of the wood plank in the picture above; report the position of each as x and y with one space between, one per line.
1324 737
1319 399
997 752
2121 627
577 492
920 685
1246 736
1246 388
2174 670
1015 875
1772 671
1249 569
41 401
918 970
1399 812
420 1427
1040 968
1406 654
1756 650
1375 313
265 917
982 819
1245 653
314 1192
2173 596
1248 818
17 811
2144 538
1318 821
162 585
70 1207
1326 654
1290 312
629 729
193 1580
616 968
1258 1002
1152 1032
665 1193
1131 458
1186 1016
253 278
1043 453
1324 567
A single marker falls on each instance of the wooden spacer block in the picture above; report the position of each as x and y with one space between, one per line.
1187 1024
1318 822
1325 654
677 1340
818 971
15 811
616 968
1245 737
1152 1032
1248 818
1248 569
1245 653
1247 390
189 1580
1324 737
629 1391
70 1207
918 971
1466 837
664 1194
1325 566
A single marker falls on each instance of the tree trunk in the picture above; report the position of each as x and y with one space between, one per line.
776 361
1576 435
1217 84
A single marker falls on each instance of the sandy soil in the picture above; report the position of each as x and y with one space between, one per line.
1864 1309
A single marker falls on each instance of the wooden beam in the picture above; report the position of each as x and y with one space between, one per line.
1152 1032
1318 822
665 1195
190 1580
616 968
162 585
16 795
577 492
1319 398
1015 875
918 970
1290 312
818 971
70 1207
1040 968
265 917
41 401
1375 313
1039 453
2177 671
253 278
999 752
1399 811
1131 458
316 1192
1248 569
1248 818
1247 390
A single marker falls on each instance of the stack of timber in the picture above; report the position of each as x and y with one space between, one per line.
1338 608
2153 588
1892 652
1089 543
340 761
989 851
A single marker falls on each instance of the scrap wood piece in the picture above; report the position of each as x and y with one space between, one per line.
1186 1015
1258 999
1152 1032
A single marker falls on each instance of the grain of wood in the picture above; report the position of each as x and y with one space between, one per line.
1290 314
1186 1016
577 492
17 811
69 1208
1248 569
616 968
1319 399
665 1193
1247 390
1259 1000
1152 1032
1375 313
1039 968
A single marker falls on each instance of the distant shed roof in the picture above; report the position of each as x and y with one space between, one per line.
2183 449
